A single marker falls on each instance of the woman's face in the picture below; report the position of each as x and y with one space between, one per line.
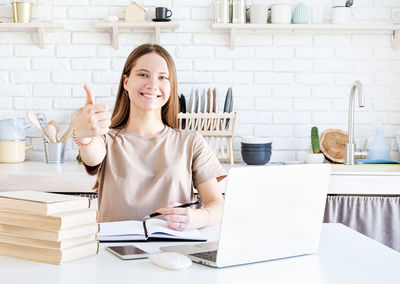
148 84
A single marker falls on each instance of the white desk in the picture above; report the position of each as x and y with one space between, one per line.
345 256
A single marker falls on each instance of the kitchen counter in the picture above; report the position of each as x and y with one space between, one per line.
72 177
369 179
40 176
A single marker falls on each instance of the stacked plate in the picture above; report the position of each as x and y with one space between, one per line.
256 150
205 101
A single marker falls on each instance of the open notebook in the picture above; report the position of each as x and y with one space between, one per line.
152 229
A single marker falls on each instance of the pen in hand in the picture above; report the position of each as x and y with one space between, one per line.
180 206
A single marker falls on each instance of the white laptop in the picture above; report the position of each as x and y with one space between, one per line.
270 212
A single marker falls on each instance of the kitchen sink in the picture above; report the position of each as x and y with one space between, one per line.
366 169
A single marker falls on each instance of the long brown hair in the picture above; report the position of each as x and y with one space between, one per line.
169 111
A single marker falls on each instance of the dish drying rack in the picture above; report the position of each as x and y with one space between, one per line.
216 128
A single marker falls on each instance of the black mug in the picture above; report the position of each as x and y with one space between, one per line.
162 13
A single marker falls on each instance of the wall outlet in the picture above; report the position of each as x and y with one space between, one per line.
396 16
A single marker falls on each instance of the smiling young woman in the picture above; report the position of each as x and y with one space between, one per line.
169 111
142 161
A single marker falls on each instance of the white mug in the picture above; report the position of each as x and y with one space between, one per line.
281 14
341 15
258 14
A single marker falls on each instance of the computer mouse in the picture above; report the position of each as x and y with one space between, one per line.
171 260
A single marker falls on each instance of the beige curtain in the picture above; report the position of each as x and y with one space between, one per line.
377 217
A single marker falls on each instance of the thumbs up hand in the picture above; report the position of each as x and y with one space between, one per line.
89 95
93 119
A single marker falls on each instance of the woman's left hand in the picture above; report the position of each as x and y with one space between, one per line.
178 219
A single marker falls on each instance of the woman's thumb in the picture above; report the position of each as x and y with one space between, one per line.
90 95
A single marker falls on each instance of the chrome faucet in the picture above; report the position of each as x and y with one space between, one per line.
351 145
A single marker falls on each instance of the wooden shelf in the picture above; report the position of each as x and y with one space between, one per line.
117 26
365 28
40 27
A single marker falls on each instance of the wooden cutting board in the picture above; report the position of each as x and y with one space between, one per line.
333 144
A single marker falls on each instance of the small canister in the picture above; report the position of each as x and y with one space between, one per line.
239 12
54 152
222 11
22 11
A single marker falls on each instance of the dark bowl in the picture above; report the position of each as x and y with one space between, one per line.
251 145
256 157
256 148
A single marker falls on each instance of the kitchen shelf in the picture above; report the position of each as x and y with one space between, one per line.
40 27
365 28
117 26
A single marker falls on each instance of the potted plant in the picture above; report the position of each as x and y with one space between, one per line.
316 156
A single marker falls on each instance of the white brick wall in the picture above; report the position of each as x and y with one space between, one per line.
283 83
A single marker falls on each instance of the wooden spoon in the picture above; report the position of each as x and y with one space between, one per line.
33 119
52 122
51 132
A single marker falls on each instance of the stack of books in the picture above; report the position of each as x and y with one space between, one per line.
47 227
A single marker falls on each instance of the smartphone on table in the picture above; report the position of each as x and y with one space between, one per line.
127 252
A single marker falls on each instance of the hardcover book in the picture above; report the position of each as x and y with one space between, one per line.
48 235
53 256
64 244
56 221
41 203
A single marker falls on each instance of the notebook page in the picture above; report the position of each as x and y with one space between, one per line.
111 230
159 228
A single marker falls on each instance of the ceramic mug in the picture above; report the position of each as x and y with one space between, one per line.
163 13
281 14
341 15
258 14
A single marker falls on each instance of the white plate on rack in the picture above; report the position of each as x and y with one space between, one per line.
190 107
215 100
209 101
203 100
196 101
199 103
203 109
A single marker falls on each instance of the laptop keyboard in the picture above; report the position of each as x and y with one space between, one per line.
207 255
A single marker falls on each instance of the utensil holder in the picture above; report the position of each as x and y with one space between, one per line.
22 12
54 152
216 128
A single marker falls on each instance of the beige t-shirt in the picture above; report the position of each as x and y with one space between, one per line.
139 175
